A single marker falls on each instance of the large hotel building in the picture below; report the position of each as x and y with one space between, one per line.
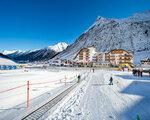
114 57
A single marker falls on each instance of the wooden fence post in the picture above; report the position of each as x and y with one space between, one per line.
27 102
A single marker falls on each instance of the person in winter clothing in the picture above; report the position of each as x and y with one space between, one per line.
79 78
133 72
111 81
141 72
93 70
138 72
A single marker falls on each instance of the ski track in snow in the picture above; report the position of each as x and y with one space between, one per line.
92 99
96 100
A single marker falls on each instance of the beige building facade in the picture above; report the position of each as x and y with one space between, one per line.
85 55
114 57
119 56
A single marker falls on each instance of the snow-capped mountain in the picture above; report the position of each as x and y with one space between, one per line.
145 16
59 47
132 33
36 55
6 52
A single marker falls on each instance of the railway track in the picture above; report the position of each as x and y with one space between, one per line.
38 113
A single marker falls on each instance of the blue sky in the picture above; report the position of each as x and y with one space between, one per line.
32 24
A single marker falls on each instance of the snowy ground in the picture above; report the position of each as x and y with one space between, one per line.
44 84
138 56
94 99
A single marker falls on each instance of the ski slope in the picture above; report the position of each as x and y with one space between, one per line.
94 99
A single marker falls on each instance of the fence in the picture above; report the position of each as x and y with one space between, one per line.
28 85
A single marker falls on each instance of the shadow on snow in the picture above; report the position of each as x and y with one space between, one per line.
131 77
142 106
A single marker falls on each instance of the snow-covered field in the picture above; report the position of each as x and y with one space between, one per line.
94 99
43 84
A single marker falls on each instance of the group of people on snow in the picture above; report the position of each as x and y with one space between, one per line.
138 72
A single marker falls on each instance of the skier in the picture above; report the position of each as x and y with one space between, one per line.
138 72
93 70
111 81
141 72
134 72
79 78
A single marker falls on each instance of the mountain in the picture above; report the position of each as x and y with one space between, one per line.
59 47
6 52
132 33
5 60
36 55
4 56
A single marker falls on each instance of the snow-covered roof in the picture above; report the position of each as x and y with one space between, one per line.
4 61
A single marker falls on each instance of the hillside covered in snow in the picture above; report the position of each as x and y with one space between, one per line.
36 55
132 34
5 60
